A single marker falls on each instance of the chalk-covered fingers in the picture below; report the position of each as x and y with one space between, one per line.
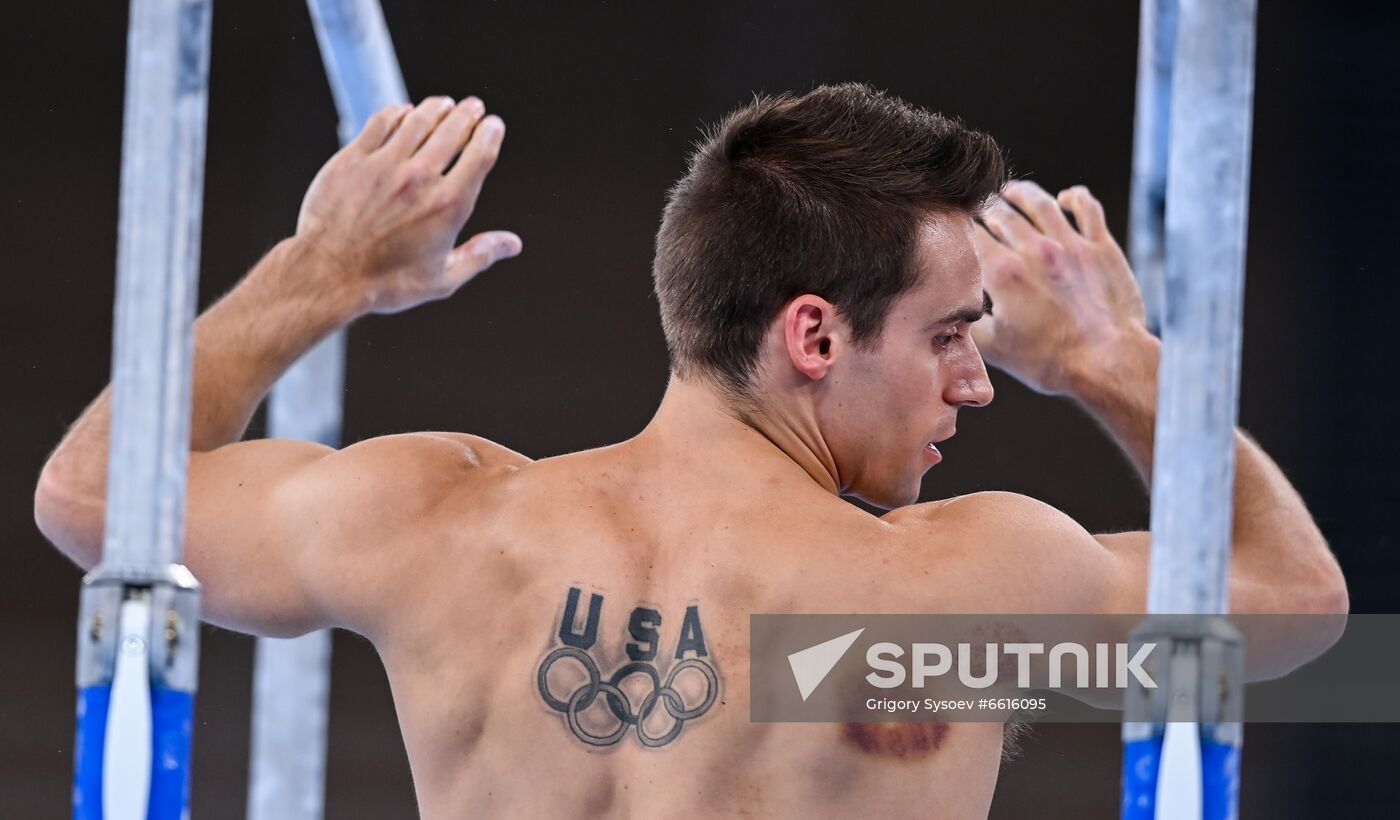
379 127
477 159
1065 299
1008 225
1045 254
417 125
386 212
1088 212
479 253
1039 207
451 134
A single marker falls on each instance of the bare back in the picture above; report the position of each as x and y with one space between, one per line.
495 588
595 537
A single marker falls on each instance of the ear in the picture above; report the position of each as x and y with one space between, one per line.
810 327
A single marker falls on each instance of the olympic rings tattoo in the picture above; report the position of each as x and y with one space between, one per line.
618 702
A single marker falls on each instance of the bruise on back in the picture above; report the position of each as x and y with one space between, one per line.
899 741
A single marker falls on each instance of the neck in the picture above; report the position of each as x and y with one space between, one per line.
695 417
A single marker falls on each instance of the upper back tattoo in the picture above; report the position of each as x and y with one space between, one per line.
676 687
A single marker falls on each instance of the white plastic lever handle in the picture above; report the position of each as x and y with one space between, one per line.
127 747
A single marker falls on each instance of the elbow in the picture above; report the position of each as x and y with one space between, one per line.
1332 597
1326 612
70 520
1307 613
1327 586
1326 603
1310 582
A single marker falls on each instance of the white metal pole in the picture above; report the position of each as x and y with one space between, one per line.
138 625
291 684
1147 203
1182 741
1207 216
162 189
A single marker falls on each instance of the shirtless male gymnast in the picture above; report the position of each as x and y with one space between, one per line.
821 274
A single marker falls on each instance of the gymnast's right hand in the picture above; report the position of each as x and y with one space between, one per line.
384 212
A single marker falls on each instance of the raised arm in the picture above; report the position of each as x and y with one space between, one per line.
285 534
1068 319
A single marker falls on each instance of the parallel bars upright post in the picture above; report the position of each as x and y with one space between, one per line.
291 681
138 623
1182 741
1147 202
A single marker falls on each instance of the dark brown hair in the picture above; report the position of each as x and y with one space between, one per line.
818 194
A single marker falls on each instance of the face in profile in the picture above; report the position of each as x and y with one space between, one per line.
885 405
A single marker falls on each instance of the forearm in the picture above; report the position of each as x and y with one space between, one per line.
248 339
1275 542
1122 396
243 343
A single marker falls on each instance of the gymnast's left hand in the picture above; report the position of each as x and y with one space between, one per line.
384 213
1067 312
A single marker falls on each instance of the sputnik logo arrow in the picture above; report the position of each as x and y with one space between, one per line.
811 665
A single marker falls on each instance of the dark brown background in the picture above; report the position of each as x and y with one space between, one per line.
562 350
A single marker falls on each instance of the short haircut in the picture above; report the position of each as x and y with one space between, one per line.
821 193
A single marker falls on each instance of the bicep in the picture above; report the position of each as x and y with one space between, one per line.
240 541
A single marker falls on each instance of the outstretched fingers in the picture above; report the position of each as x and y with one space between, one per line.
379 127
417 125
477 159
451 134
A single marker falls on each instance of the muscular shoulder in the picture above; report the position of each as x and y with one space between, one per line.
402 475
370 521
990 515
477 452
449 454
1026 553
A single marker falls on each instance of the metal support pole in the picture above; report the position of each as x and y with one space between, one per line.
1196 752
292 678
1207 202
1147 205
359 59
138 624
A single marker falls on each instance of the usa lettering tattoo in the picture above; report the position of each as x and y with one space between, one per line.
571 682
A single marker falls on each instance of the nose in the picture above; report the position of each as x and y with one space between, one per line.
971 386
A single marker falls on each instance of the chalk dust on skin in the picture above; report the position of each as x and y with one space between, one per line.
900 741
